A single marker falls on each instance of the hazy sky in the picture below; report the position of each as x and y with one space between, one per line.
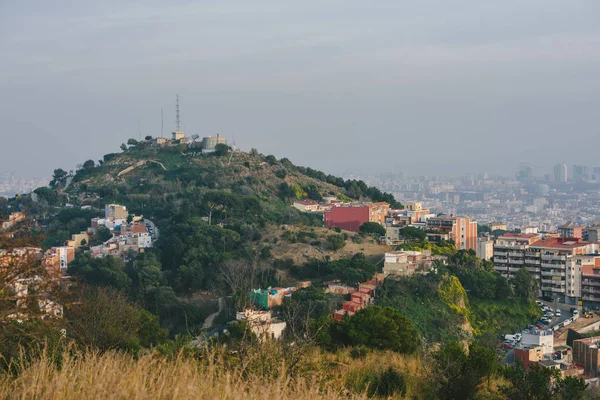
428 86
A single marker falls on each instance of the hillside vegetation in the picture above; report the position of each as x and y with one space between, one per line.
132 326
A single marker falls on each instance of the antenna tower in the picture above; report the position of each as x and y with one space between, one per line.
177 114
162 124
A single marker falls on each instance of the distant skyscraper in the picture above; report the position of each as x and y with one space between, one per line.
525 172
580 172
560 172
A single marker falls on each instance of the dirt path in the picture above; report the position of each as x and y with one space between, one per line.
208 322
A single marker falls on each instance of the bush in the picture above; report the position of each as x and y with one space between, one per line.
336 242
372 228
357 239
281 174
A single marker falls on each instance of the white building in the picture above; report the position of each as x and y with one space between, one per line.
262 324
543 338
485 248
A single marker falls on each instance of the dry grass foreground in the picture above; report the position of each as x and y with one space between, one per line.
119 376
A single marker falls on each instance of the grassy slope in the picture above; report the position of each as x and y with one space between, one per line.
112 375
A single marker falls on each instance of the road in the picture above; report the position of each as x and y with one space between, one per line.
147 221
565 313
208 322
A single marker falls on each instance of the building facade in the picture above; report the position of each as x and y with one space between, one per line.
461 230
351 217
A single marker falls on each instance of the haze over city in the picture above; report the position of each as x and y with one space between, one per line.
429 87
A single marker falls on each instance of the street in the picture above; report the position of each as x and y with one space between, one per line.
565 313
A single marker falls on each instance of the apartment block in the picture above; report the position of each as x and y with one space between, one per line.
590 279
461 230
554 261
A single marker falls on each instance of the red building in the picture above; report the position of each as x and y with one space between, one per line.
347 218
351 217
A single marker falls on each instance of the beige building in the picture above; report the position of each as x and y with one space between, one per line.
76 240
306 205
494 226
404 263
485 248
262 324
115 211
178 135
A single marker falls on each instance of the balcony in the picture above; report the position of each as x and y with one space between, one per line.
590 298
533 270
514 269
551 265
553 282
590 283
548 257
590 290
551 273
500 260
515 261
515 254
500 253
532 261
553 289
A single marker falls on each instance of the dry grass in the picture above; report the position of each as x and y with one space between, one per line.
119 376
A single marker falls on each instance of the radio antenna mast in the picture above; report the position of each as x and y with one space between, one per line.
177 114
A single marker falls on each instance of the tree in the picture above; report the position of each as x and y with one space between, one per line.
58 177
271 159
148 138
132 142
483 229
460 373
539 383
236 274
336 242
221 149
123 146
526 286
411 233
107 271
104 318
377 327
89 164
372 228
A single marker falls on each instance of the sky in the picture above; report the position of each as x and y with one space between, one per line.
431 87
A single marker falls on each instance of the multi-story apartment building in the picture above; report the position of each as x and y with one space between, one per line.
555 262
560 271
461 230
590 280
570 230
512 252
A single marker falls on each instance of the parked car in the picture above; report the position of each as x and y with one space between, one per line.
545 320
539 326
557 313
508 345
518 336
575 312
539 303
